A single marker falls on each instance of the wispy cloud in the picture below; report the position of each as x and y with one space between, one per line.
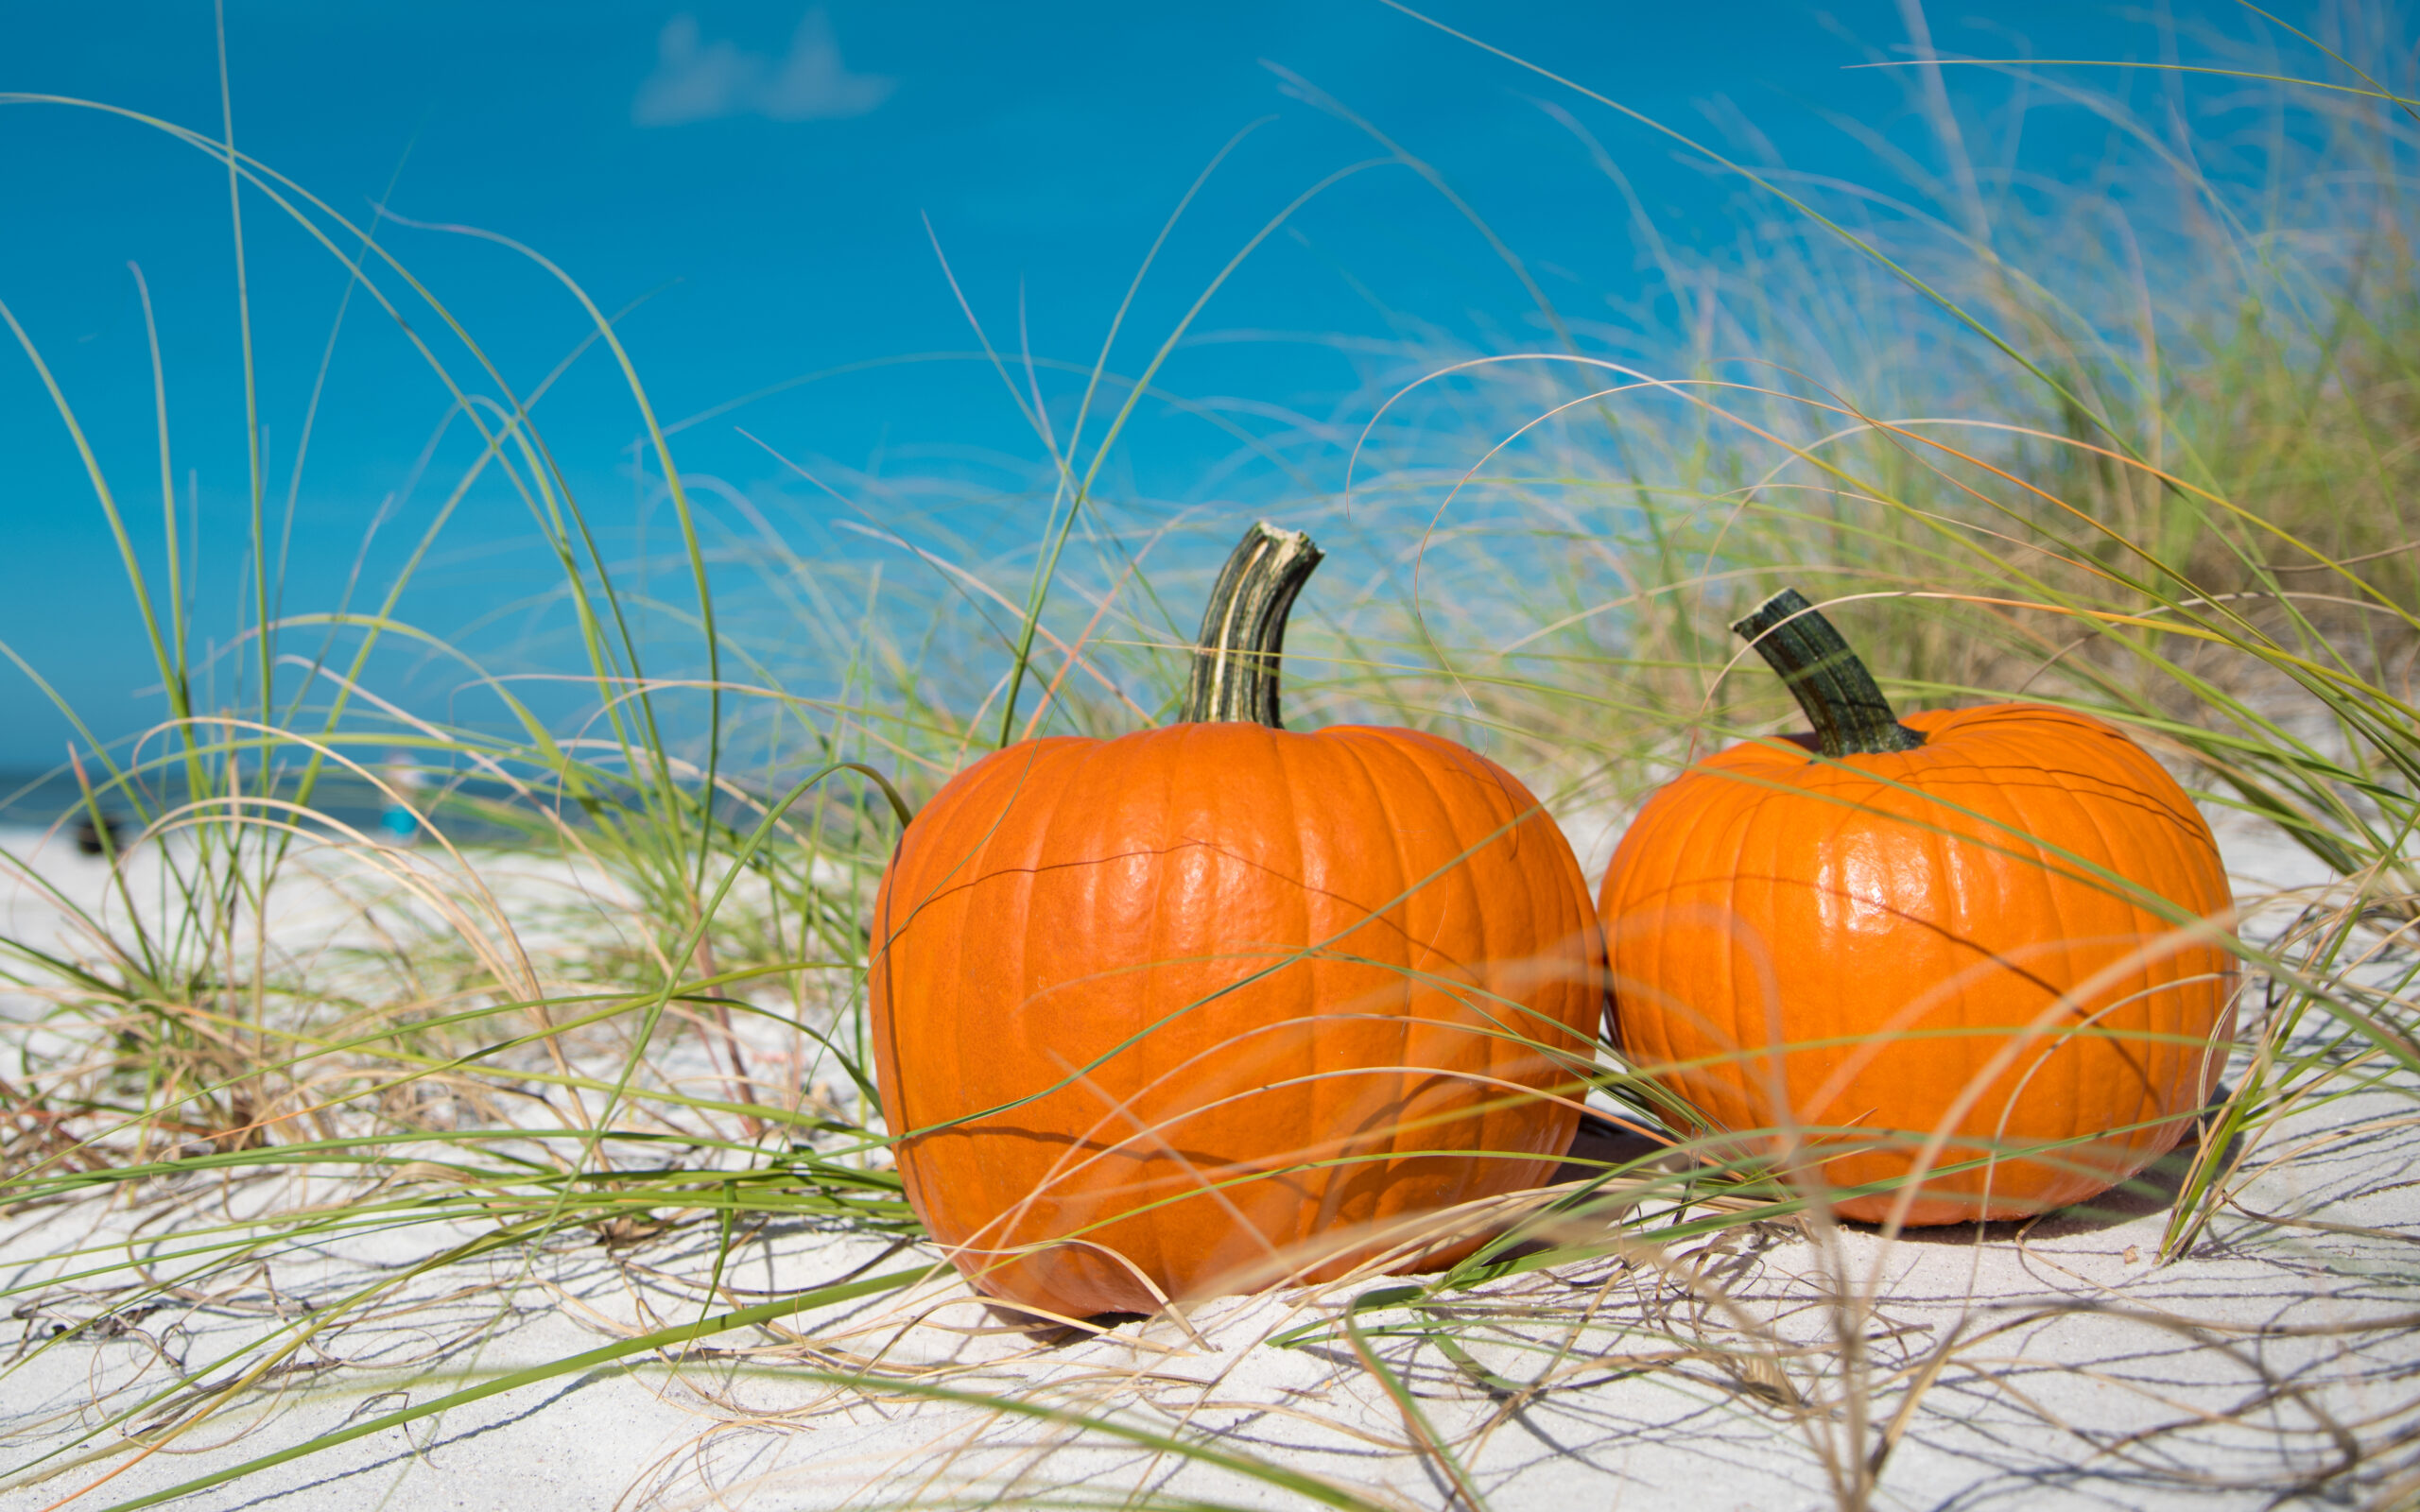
699 80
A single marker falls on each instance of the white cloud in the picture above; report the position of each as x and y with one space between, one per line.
699 80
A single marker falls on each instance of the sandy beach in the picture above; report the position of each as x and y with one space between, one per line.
2050 1365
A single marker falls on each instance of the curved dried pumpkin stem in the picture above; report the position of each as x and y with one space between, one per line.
1243 632
1850 715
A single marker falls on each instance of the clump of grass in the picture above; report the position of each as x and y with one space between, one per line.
2151 464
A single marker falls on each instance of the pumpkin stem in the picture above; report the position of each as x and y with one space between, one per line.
1243 632
1850 715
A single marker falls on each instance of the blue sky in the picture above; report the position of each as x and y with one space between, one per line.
764 176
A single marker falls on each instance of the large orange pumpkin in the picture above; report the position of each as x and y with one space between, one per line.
1214 1005
1957 950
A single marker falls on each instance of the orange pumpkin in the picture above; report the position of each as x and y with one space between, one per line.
1955 949
1214 1005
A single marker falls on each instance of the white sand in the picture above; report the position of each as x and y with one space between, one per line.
2078 1373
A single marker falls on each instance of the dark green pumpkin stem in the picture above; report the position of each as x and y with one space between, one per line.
1850 715
1243 632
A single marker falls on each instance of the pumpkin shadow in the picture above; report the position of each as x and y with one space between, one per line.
2154 1189
1598 1147
1047 1332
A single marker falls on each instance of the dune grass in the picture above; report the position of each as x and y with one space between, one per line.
2144 454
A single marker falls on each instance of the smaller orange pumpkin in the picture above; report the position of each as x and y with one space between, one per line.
1966 953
